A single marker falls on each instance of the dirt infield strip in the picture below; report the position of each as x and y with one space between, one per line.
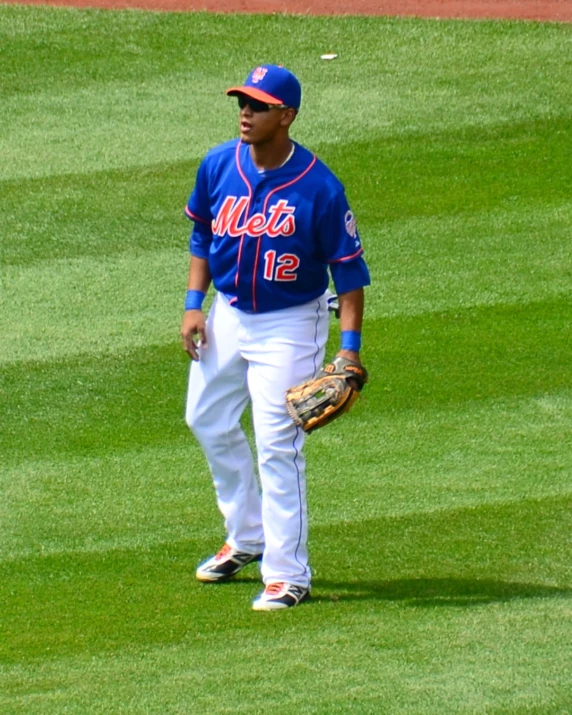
546 10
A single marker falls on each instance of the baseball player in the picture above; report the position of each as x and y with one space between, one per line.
270 219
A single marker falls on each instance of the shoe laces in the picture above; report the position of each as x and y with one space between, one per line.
274 589
223 552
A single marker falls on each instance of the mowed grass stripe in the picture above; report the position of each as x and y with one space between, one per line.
420 461
152 494
142 90
112 304
409 617
98 214
417 462
403 664
452 418
119 46
92 602
511 167
424 265
92 306
456 357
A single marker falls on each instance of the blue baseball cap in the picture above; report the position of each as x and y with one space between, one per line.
271 84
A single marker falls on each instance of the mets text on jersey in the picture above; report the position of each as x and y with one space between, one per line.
280 220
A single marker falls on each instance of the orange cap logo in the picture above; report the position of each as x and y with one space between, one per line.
259 74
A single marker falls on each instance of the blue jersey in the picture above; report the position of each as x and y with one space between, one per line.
269 236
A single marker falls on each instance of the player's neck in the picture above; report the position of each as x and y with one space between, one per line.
271 155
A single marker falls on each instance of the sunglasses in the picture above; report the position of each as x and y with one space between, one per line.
257 106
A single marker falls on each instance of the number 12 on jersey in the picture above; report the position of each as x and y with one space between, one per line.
282 268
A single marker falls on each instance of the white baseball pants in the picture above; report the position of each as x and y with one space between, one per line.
258 357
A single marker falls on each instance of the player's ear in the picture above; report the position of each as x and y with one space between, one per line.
288 117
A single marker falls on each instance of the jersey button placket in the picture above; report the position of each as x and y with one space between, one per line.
256 207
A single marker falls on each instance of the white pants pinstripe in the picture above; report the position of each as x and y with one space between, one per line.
257 357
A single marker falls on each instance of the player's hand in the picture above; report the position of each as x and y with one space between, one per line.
194 325
350 355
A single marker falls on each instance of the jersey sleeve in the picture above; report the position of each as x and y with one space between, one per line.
350 275
198 210
337 231
340 245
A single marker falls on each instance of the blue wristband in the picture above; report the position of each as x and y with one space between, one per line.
194 300
351 340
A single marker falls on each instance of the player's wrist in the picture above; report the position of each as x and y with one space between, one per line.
351 340
349 354
194 299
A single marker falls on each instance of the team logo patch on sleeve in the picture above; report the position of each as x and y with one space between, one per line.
350 222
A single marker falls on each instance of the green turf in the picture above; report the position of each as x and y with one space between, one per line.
440 508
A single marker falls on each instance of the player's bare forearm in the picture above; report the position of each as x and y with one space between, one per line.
194 320
351 317
199 274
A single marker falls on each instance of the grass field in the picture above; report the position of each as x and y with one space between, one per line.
440 509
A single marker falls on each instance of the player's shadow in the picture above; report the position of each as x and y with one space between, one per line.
430 592
249 578
418 592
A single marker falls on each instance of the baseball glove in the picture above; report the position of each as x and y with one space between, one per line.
324 398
